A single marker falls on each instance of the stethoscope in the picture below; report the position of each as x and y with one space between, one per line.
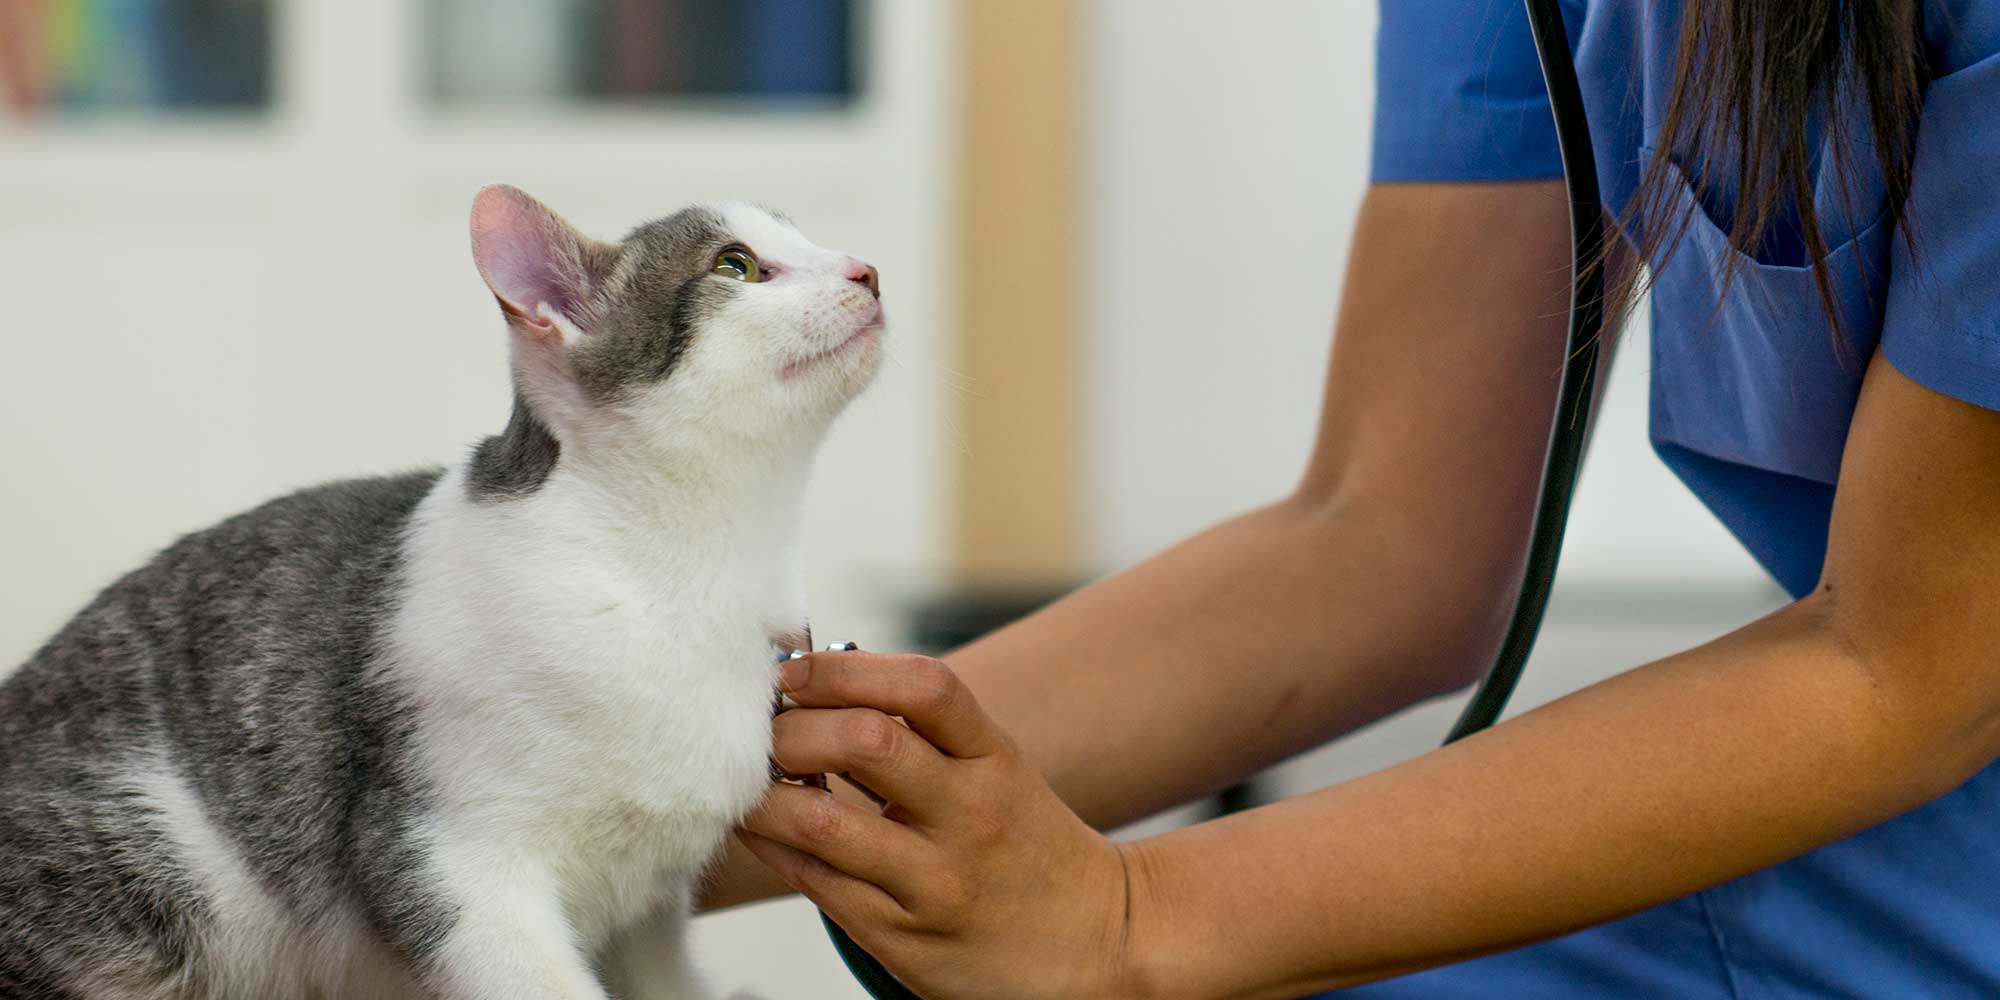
1566 434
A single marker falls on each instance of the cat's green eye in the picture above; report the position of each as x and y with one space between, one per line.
738 264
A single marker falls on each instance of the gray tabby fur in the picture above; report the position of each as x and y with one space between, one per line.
241 655
246 659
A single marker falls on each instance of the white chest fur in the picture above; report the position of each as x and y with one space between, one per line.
592 681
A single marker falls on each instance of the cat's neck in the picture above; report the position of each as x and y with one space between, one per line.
720 486
642 473
615 495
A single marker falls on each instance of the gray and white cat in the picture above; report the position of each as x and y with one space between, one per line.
460 734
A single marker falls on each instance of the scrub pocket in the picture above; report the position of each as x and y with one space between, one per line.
1752 374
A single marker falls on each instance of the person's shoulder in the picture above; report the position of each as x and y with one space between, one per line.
1961 34
1459 94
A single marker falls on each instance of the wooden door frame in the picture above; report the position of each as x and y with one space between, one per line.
1016 483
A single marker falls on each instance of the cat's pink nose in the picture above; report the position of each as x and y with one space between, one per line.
865 276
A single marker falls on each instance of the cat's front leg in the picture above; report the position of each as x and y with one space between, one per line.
510 943
649 960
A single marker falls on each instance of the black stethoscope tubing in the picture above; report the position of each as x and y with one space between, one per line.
1567 433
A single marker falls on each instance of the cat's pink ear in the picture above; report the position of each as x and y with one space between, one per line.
546 275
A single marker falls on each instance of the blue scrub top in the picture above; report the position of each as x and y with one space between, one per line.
1751 403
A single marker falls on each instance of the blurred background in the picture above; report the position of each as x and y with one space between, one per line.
233 263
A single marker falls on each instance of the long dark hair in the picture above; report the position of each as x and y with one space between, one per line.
1750 79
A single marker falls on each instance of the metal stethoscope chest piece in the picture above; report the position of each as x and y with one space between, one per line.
779 703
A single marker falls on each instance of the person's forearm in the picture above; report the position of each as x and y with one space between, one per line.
1383 581
1222 632
1654 784
1279 628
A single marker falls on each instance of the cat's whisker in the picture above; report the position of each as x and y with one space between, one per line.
957 433
948 377
954 373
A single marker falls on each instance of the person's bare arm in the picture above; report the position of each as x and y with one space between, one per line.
1871 696
1862 701
1384 579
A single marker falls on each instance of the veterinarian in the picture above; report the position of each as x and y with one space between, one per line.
1807 807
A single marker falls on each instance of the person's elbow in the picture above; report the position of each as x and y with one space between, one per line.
1933 671
1435 601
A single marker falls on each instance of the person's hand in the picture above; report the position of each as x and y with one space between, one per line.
973 879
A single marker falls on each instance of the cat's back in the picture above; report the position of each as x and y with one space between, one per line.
297 582
216 695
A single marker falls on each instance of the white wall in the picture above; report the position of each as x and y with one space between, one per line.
203 315
1228 149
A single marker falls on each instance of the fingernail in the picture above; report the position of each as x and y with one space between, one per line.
792 674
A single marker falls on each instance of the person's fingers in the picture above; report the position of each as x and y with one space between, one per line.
919 688
871 749
856 841
847 899
864 790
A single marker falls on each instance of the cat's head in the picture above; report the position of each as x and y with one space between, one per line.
716 324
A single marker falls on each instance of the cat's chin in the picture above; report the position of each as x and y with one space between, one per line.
858 350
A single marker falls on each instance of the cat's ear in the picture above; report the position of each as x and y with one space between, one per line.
548 278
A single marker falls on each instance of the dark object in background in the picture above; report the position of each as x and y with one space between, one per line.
789 50
800 48
958 617
1236 798
774 48
87 56
215 54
